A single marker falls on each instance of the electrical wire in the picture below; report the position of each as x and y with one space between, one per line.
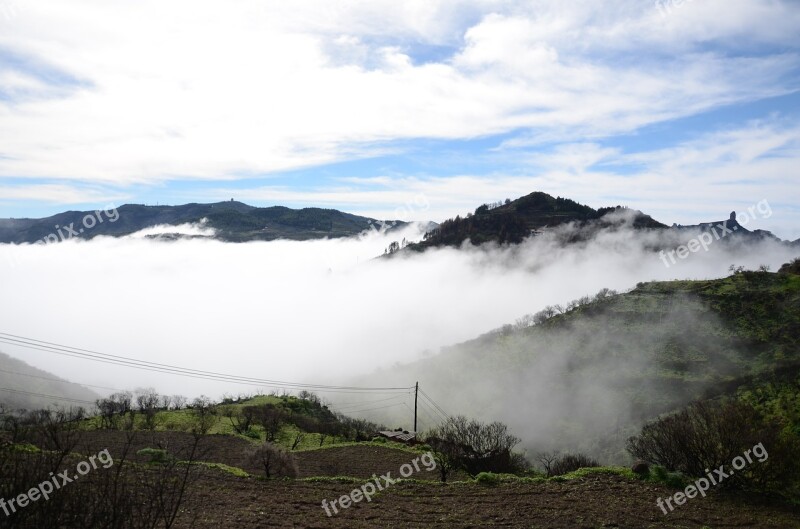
379 408
436 406
47 396
434 403
51 347
433 418
345 408
57 380
439 417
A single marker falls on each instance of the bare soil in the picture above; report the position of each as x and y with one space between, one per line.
220 500
586 503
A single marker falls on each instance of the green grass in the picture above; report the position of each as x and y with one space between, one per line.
235 471
24 448
184 420
333 479
593 471
389 444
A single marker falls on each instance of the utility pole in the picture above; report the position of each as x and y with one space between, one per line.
416 394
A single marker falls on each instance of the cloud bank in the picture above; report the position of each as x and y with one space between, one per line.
315 312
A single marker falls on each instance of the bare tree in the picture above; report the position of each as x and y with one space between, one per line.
272 419
274 460
205 413
147 402
547 460
475 446
299 437
241 418
179 401
115 409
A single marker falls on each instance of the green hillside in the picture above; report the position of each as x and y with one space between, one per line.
293 422
586 378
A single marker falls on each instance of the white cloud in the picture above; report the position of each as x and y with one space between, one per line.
698 180
59 194
212 89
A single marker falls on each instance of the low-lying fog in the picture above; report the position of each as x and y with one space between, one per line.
318 311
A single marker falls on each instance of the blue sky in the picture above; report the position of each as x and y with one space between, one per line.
417 110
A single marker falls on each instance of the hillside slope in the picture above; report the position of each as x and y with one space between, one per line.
588 378
20 381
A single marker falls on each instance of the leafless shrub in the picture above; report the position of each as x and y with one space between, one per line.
241 418
271 418
474 446
558 465
274 460
205 415
709 434
148 404
116 411
299 437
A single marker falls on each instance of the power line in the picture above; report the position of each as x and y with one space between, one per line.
369 403
50 347
439 408
436 413
380 408
57 380
44 395
433 420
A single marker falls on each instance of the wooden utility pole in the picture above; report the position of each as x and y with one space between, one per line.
416 394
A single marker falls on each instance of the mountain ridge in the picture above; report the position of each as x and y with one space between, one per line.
508 222
232 222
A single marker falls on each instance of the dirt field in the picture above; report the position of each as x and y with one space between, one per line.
587 503
221 500
352 461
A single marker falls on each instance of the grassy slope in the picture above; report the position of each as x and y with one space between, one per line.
646 352
184 420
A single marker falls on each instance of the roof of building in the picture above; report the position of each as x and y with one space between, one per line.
399 435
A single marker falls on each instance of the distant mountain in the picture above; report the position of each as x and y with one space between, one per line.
25 387
514 220
232 221
729 228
